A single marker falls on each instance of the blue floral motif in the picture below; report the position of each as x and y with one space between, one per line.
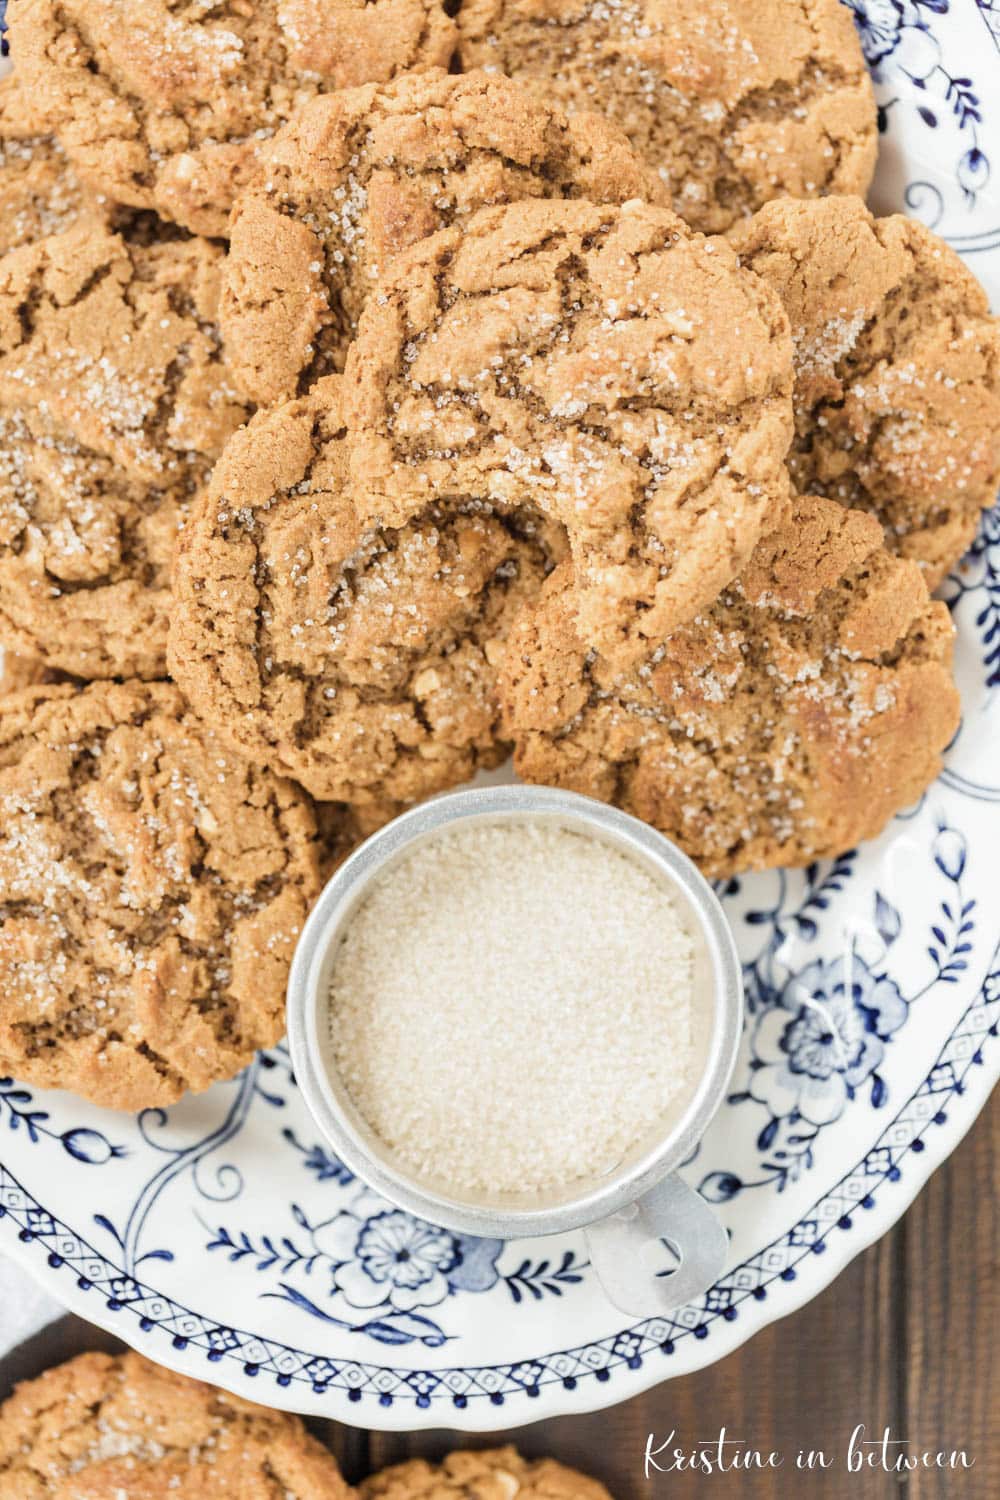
990 10
824 1038
902 46
820 1031
978 578
899 29
380 1255
373 1259
89 1147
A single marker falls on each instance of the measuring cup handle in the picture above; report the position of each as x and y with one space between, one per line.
670 1211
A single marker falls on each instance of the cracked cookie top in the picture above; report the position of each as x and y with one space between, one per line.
39 191
783 725
152 886
493 1474
734 102
360 660
164 105
359 175
601 364
104 1426
114 402
897 370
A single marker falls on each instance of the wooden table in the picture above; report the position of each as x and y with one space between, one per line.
904 1338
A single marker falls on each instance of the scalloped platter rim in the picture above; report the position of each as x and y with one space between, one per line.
222 1239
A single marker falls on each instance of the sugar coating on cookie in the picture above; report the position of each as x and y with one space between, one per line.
897 370
783 725
362 661
165 105
359 175
734 102
152 885
104 1426
115 400
627 379
492 1474
39 191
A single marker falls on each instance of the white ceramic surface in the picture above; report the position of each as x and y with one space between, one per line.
221 1238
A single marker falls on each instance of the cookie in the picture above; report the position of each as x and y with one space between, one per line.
115 400
601 364
897 370
359 175
105 1427
39 191
165 105
361 661
734 102
22 671
494 1474
783 725
152 885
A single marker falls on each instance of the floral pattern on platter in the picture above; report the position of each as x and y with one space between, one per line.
373 1258
818 1035
222 1238
823 1039
933 63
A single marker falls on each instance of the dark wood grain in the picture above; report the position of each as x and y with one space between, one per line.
791 1386
950 1316
904 1338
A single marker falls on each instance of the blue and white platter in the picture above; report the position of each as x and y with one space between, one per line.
220 1238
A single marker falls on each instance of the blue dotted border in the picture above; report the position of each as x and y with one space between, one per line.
752 1281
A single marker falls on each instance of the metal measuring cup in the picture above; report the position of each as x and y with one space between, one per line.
640 1200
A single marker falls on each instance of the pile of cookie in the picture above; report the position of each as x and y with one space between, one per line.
384 386
105 1427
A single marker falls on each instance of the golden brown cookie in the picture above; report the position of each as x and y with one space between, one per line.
735 102
39 191
114 401
897 370
628 379
115 1427
18 672
494 1474
783 725
152 886
165 104
361 661
357 176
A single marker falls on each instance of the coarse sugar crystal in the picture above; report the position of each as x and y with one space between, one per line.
512 1008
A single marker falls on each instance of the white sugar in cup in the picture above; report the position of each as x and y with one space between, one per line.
537 1055
621 1186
